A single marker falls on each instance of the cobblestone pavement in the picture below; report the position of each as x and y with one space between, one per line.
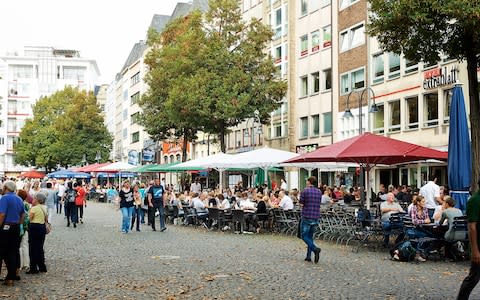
97 261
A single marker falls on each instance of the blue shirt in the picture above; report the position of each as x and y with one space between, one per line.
311 198
12 206
157 193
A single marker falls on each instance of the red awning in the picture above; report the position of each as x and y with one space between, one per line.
32 174
92 167
371 149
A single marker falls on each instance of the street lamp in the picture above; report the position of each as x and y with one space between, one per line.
258 131
348 114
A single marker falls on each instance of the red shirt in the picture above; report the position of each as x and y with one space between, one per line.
80 199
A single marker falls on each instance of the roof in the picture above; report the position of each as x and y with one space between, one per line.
159 22
135 54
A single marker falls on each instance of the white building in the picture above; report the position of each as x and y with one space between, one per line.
27 76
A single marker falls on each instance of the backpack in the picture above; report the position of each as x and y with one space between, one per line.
70 196
404 250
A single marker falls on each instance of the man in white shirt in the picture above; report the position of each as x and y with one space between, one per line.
431 193
61 192
283 185
286 203
387 208
196 187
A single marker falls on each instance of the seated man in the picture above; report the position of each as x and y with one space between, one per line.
450 212
249 209
387 208
286 202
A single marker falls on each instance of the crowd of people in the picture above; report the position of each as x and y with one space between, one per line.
26 212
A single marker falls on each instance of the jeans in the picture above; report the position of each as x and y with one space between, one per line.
36 240
469 282
308 228
58 204
9 244
137 211
387 228
71 213
161 211
127 213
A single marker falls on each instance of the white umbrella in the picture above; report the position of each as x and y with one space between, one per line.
116 167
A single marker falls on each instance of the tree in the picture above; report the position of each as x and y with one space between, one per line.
209 73
426 30
65 126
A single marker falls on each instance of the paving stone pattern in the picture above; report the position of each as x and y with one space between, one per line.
97 261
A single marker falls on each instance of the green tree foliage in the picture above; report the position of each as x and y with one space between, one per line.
209 73
65 126
425 30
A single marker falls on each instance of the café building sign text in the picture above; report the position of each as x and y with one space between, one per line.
439 77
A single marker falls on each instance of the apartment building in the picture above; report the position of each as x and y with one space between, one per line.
27 75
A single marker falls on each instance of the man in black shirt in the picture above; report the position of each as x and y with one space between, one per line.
156 200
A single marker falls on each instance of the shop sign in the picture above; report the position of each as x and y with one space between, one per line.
439 77
133 157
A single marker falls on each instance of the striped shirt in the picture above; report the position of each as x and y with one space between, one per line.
311 198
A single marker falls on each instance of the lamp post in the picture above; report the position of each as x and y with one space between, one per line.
348 114
98 157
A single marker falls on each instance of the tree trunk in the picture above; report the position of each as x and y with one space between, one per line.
221 136
184 146
474 116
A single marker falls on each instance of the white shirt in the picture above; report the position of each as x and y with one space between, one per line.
198 205
283 186
247 205
225 204
286 203
61 190
196 187
430 191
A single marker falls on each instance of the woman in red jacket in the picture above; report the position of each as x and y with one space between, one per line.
80 200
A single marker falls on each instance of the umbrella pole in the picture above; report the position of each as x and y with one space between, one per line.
367 187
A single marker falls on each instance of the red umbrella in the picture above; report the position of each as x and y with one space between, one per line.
32 174
92 167
371 149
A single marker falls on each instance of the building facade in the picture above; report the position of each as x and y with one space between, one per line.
24 78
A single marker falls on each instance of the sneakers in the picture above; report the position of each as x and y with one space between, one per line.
81 221
395 255
317 254
308 259
163 229
419 258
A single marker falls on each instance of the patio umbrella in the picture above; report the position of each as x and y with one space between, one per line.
368 150
32 174
68 174
459 152
92 167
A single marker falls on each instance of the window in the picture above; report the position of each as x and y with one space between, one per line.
304 127
2 141
378 119
20 71
135 137
316 82
447 101
135 79
327 123
276 130
134 98
358 79
394 107
303 86
412 112
246 137
125 133
278 24
344 84
125 114
134 118
304 45
378 68
430 109
278 55
327 79
74 73
352 38
303 7
315 41
327 36
393 65
410 66
315 125
314 5
346 3
324 3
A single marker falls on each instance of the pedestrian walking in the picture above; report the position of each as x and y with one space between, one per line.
23 252
70 207
310 200
156 202
80 201
137 211
126 205
61 192
12 213
473 217
51 195
37 232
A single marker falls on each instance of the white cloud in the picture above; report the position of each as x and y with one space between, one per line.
103 30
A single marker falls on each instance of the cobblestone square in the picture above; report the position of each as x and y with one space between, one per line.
97 261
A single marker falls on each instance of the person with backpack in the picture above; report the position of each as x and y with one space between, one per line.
70 207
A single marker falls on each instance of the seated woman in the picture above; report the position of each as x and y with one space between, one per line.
419 215
327 197
450 212
348 197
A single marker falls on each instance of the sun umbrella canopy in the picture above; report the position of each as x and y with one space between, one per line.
214 161
69 174
370 149
259 158
92 167
32 174
459 150
116 167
